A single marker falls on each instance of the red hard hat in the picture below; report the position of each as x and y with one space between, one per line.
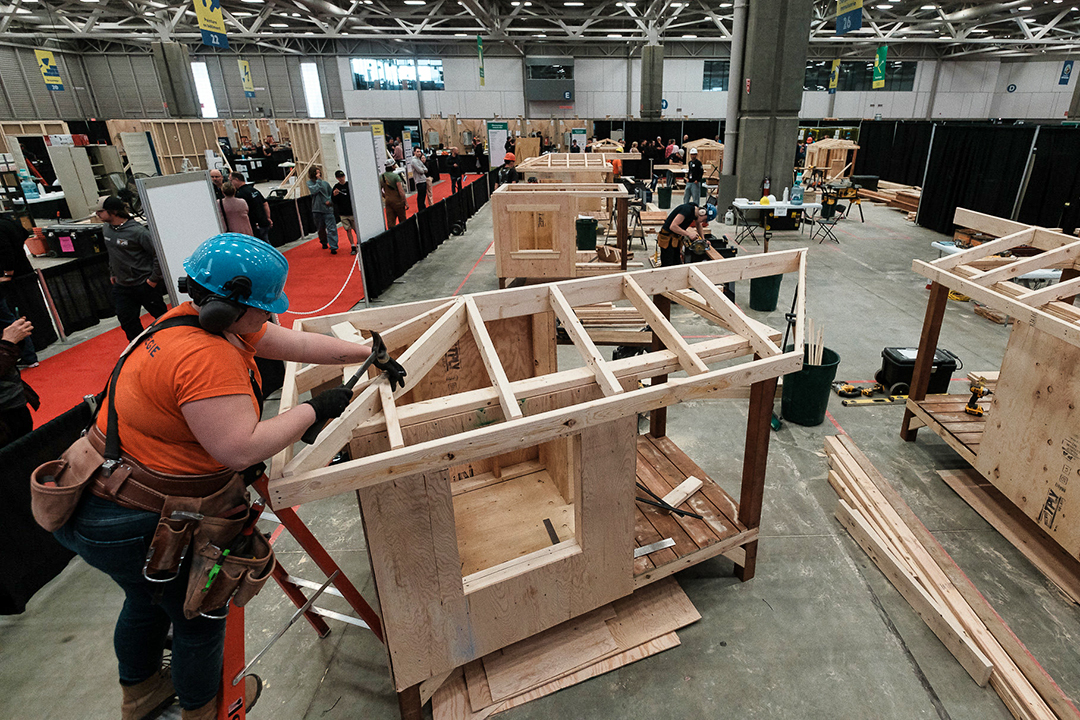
509 157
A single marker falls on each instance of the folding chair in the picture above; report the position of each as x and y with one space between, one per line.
823 224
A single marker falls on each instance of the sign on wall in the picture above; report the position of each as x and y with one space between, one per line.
834 77
245 78
378 133
1066 73
848 15
480 52
49 72
211 23
498 133
879 67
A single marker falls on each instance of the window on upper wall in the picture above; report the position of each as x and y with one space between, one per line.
309 78
549 72
204 90
716 75
859 75
396 74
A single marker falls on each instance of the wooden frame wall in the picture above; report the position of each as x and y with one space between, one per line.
14 128
174 140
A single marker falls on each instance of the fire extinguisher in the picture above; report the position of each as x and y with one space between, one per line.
765 187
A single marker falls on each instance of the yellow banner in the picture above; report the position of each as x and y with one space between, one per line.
245 78
377 129
834 76
211 23
49 72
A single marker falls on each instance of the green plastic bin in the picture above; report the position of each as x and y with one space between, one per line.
586 233
663 198
805 396
764 292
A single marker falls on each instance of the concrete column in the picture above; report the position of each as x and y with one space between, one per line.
652 81
777 38
173 67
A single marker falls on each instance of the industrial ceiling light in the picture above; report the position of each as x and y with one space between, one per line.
689 37
461 34
615 35
279 25
416 2
928 7
1024 8
540 35
573 4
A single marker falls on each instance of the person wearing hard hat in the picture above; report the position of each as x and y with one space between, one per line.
694 172
508 173
683 225
182 419
393 189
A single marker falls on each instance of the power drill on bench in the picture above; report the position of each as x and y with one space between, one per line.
973 407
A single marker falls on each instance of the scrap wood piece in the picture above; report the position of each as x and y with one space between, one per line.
682 493
1021 531
1025 687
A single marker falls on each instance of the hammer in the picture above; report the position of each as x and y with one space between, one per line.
378 354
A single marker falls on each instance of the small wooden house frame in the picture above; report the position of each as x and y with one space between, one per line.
568 168
836 157
535 231
709 152
1028 443
498 491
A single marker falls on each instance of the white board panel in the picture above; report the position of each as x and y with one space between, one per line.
358 146
140 152
182 212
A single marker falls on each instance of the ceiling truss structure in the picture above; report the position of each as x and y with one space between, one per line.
617 28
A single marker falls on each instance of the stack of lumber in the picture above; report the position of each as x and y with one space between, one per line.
627 630
901 197
942 595
609 315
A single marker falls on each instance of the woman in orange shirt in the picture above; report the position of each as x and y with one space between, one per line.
188 404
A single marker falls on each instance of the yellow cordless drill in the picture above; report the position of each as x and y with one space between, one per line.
973 408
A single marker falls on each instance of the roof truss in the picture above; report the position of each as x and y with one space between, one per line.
479 423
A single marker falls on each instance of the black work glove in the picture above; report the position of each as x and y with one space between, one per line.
394 371
329 404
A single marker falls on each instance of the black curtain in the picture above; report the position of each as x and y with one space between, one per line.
31 556
292 220
378 254
875 146
1055 177
81 292
433 228
407 252
976 167
894 150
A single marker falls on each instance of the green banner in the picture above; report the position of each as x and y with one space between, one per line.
879 67
480 52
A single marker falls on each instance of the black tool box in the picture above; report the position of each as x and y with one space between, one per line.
898 366
74 240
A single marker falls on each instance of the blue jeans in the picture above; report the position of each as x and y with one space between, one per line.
692 193
115 540
326 227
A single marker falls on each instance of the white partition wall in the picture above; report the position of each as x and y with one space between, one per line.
362 172
182 212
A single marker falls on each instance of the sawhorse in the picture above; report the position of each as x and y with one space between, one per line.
231 699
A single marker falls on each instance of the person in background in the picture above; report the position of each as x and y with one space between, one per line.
15 393
420 173
671 148
133 266
616 169
343 208
574 147
234 211
322 209
634 147
258 207
399 152
393 189
508 173
478 153
455 170
218 180
694 172
510 145
13 263
685 223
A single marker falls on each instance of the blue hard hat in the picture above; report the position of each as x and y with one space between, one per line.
710 212
219 261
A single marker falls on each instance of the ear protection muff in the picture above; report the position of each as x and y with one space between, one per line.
218 312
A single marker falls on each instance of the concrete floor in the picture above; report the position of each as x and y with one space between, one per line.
819 633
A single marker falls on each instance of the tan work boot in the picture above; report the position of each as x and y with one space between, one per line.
144 698
252 691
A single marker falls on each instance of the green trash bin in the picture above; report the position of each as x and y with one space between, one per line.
805 396
764 292
586 233
663 198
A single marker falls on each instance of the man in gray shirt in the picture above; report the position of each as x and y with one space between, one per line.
133 266
419 173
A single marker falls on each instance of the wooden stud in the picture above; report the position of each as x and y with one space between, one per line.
924 361
658 416
755 459
622 231
663 328
393 427
491 361
731 313
604 377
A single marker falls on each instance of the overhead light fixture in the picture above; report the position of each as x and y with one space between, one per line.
91 1
629 4
883 7
416 2
461 34
977 30
928 7
540 35
689 37
615 35
1024 8
573 4
24 11
279 25
253 2
725 5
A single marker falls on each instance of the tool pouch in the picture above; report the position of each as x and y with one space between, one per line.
57 486
665 238
169 547
239 575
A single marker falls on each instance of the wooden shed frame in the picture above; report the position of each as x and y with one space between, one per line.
1033 418
524 250
436 614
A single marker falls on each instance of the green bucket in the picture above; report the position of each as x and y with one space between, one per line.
764 292
586 233
805 396
663 198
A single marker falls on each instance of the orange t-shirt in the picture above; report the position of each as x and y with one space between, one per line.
173 367
616 167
